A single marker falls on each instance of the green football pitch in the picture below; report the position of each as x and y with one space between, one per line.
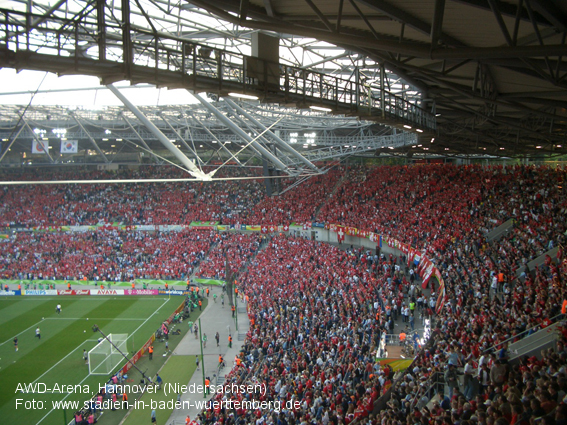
57 358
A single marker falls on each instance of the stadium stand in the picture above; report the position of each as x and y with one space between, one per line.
314 328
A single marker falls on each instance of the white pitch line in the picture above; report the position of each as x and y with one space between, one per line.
20 333
48 413
94 318
69 318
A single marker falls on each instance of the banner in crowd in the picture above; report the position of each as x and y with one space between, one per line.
107 291
340 233
395 364
204 225
269 228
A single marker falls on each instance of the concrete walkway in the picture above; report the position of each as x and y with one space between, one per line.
214 319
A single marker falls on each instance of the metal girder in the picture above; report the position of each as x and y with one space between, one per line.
320 15
237 130
215 138
269 7
11 142
193 169
417 50
138 135
89 137
550 12
274 137
393 141
410 20
181 138
504 7
45 16
437 23
243 10
501 23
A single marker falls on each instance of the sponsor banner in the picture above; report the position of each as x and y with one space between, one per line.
40 146
73 292
69 146
253 228
320 225
222 227
107 291
40 291
172 292
3 236
141 292
10 293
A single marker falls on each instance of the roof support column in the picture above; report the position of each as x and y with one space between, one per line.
90 138
193 169
282 144
239 132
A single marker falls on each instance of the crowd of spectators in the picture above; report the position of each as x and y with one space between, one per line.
104 255
317 313
235 248
227 201
316 323
298 204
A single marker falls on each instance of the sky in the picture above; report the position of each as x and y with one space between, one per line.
25 83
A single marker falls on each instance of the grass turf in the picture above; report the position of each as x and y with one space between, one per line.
56 358
177 369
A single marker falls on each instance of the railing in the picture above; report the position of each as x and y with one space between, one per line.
433 384
523 334
81 46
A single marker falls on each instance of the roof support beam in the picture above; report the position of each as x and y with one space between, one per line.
269 8
500 22
404 48
238 131
90 137
222 146
410 20
243 9
193 169
192 150
550 12
437 24
11 142
321 16
282 144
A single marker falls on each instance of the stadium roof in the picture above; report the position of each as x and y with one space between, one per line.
476 76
